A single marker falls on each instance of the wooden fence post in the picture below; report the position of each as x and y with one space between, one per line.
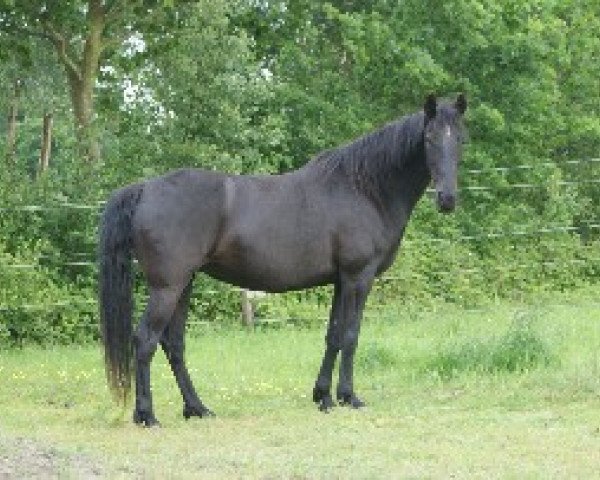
13 118
46 144
247 309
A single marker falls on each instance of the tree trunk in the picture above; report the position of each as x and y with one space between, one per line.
83 111
82 73
46 144
82 94
13 113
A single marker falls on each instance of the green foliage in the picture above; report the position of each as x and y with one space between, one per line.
257 87
37 307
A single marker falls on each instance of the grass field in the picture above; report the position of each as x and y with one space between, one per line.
511 391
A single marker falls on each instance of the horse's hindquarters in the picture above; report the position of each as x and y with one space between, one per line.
177 224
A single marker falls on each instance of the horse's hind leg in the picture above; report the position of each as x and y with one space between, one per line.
173 344
159 311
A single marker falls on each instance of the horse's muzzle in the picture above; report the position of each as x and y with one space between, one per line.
446 202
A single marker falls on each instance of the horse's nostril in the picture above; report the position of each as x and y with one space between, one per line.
446 201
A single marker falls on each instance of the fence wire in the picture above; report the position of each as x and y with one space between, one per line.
380 282
83 259
88 260
513 168
99 204
372 309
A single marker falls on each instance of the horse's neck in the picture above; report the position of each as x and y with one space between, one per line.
406 187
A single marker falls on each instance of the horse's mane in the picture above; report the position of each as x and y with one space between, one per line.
367 161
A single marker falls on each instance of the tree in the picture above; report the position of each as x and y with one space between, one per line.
35 86
201 97
81 34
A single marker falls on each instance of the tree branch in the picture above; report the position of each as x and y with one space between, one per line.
60 43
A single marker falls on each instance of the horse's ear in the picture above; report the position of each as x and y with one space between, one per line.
461 103
430 106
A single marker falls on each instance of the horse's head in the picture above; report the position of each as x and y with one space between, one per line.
443 135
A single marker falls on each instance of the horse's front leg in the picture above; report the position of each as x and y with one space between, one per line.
322 390
354 292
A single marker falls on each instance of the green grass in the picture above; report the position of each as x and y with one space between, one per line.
509 392
519 349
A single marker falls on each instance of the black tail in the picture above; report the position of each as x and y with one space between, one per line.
116 288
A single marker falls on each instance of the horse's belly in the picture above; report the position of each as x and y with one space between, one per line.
272 269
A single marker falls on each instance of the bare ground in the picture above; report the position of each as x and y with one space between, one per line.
24 458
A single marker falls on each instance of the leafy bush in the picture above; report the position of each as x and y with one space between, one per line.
36 308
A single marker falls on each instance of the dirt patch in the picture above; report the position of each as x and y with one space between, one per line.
22 458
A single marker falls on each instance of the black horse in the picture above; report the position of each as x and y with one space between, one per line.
338 220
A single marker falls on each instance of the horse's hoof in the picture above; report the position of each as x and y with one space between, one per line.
351 401
356 402
326 404
320 393
323 398
202 412
145 419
